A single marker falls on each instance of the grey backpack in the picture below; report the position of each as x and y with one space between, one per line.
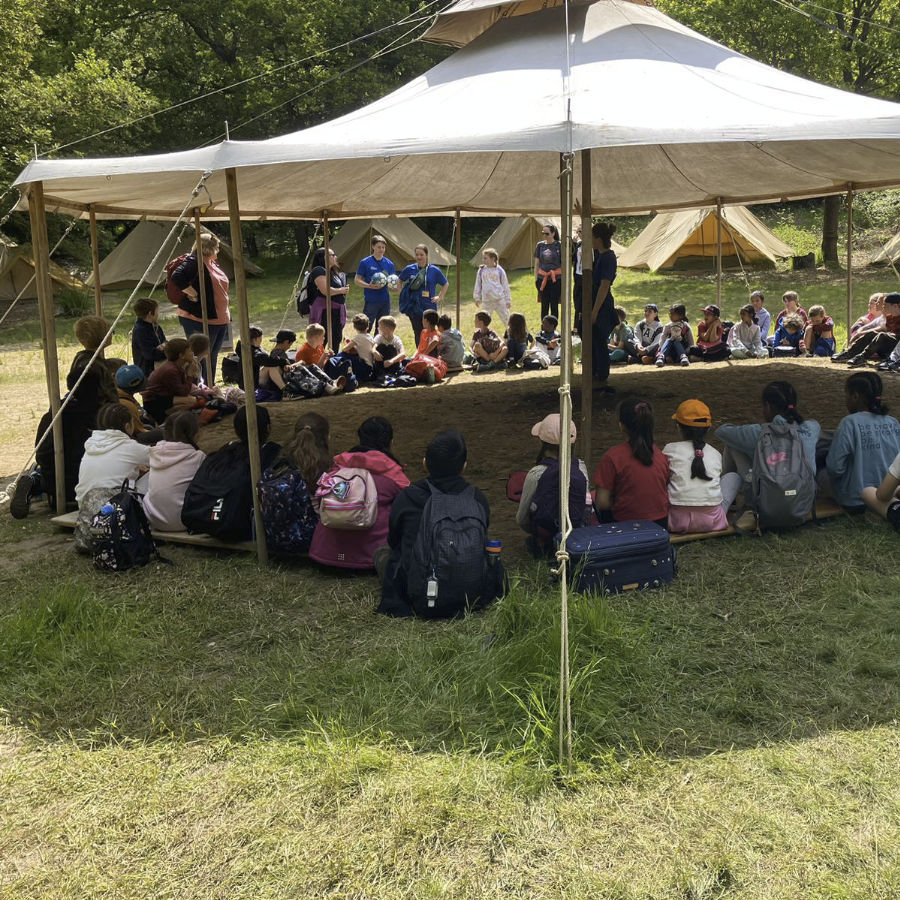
783 479
446 574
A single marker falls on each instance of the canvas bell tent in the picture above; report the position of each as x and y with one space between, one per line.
17 269
689 240
125 265
353 242
889 252
515 239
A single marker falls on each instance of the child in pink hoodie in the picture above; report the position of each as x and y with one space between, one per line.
348 549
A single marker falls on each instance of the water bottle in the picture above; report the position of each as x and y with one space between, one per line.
493 550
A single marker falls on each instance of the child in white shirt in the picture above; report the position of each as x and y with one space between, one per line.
548 339
492 286
745 338
361 342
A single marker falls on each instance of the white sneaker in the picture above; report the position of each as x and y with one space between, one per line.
660 362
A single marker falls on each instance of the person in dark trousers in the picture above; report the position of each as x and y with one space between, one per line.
444 462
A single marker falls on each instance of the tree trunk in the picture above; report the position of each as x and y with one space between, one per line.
831 213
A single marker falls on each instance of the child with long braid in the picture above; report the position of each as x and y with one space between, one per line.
699 495
865 443
631 477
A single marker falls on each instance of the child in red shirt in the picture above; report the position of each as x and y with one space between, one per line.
632 477
430 337
313 351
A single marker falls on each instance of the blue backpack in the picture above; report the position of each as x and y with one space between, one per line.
545 501
288 516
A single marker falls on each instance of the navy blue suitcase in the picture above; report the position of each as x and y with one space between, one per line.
622 556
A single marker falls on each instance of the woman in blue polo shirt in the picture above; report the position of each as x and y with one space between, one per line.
424 287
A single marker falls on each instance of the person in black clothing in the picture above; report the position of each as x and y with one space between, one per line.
268 379
147 337
444 462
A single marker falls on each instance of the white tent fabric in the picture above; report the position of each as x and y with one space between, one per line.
125 264
675 120
17 269
889 253
354 242
688 239
515 239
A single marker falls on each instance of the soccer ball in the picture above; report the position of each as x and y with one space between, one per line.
379 280
393 282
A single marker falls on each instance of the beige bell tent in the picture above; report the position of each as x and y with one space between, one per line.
688 240
889 252
515 239
124 267
353 242
17 269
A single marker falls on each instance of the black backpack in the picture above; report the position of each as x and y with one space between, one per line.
231 369
289 519
546 497
219 499
447 567
300 384
120 533
303 302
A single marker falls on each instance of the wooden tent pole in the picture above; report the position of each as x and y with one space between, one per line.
240 287
458 265
41 247
719 252
587 304
95 263
849 260
328 328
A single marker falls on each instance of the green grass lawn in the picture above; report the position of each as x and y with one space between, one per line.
210 730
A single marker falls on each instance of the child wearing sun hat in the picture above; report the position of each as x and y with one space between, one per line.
538 512
699 495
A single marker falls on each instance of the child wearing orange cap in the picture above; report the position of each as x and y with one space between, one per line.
538 512
699 495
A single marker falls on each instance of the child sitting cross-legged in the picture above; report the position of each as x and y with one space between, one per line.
885 499
538 512
676 338
388 353
268 370
359 347
819 335
647 334
169 387
429 337
548 339
788 339
710 346
632 477
518 340
451 348
314 357
487 348
621 339
792 307
745 338
699 495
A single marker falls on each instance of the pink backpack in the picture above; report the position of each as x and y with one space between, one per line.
348 499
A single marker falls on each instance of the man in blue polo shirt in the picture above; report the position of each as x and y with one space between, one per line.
377 299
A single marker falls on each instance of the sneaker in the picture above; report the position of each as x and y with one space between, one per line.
888 366
893 514
486 366
429 375
660 362
685 361
521 363
857 362
336 386
21 498
841 357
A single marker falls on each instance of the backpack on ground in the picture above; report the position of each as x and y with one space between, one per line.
303 302
219 499
231 369
299 384
418 366
120 533
289 519
447 568
173 292
783 482
545 501
348 499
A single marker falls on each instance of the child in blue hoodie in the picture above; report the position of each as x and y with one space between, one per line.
865 443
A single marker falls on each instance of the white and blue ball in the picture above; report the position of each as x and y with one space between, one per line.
393 282
379 280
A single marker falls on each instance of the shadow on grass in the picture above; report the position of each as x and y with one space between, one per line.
758 641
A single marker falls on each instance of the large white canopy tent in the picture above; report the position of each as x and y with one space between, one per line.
647 113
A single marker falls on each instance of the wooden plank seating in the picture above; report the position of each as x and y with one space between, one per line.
173 537
825 509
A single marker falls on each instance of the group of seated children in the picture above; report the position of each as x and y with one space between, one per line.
796 334
689 486
875 336
518 348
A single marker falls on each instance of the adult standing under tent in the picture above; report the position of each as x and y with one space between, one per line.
603 313
424 287
318 310
376 266
218 314
548 270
